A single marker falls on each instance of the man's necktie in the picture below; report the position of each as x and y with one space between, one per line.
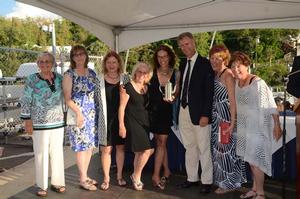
185 86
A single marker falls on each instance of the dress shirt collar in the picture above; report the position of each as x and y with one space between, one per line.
193 58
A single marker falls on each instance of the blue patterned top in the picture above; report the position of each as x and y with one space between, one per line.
83 95
42 102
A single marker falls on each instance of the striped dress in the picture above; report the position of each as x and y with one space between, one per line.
228 169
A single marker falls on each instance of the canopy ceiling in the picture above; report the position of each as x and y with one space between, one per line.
123 24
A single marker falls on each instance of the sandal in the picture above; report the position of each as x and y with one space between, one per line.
92 181
58 189
121 182
260 196
223 191
165 179
249 194
86 185
41 193
160 185
104 186
137 185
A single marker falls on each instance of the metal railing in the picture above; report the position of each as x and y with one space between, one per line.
11 86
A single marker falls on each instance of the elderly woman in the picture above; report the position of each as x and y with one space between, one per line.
161 110
228 168
42 110
134 120
257 123
108 124
79 86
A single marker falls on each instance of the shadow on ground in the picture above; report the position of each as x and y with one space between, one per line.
273 188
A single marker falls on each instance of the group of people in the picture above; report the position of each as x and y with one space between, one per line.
115 110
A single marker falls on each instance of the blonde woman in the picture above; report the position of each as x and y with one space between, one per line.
133 119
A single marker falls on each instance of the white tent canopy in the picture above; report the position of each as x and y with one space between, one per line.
123 24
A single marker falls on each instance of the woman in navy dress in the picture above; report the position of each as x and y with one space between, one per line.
161 111
228 168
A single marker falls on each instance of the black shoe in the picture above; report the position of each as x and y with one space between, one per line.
188 184
205 188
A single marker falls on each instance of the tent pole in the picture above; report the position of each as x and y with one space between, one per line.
126 60
212 40
116 31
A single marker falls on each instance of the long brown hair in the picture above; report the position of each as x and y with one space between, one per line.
171 54
75 49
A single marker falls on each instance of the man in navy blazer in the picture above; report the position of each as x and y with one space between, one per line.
293 86
196 98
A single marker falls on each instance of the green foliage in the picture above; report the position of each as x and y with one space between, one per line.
267 52
273 75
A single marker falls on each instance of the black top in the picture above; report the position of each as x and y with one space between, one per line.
113 100
160 111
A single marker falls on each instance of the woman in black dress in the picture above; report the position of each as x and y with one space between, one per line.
108 96
134 120
161 109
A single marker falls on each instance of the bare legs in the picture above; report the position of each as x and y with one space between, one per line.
120 157
161 158
83 160
140 160
257 190
106 161
258 181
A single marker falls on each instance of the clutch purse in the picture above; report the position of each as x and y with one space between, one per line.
224 136
71 117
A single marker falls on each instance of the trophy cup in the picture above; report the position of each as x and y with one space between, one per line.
168 92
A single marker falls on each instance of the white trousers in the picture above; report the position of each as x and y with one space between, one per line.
49 143
196 141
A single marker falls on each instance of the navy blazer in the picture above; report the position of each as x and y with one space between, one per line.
201 89
293 86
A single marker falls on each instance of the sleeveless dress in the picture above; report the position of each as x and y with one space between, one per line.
113 101
228 169
83 92
136 120
161 112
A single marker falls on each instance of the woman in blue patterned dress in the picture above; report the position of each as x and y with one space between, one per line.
228 169
43 115
79 85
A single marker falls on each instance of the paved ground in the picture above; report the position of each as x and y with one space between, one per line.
18 183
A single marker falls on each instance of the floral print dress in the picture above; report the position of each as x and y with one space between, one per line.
83 94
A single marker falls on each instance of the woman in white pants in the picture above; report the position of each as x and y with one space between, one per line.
41 109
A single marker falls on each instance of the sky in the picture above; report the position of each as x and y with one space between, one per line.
11 8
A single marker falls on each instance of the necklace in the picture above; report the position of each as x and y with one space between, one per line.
114 77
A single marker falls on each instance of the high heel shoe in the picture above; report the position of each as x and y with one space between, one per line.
137 185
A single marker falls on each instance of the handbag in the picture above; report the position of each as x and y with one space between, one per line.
71 117
224 136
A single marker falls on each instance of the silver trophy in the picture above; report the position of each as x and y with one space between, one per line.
168 92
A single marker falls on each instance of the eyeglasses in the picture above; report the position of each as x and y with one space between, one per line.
142 72
163 57
79 54
45 62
